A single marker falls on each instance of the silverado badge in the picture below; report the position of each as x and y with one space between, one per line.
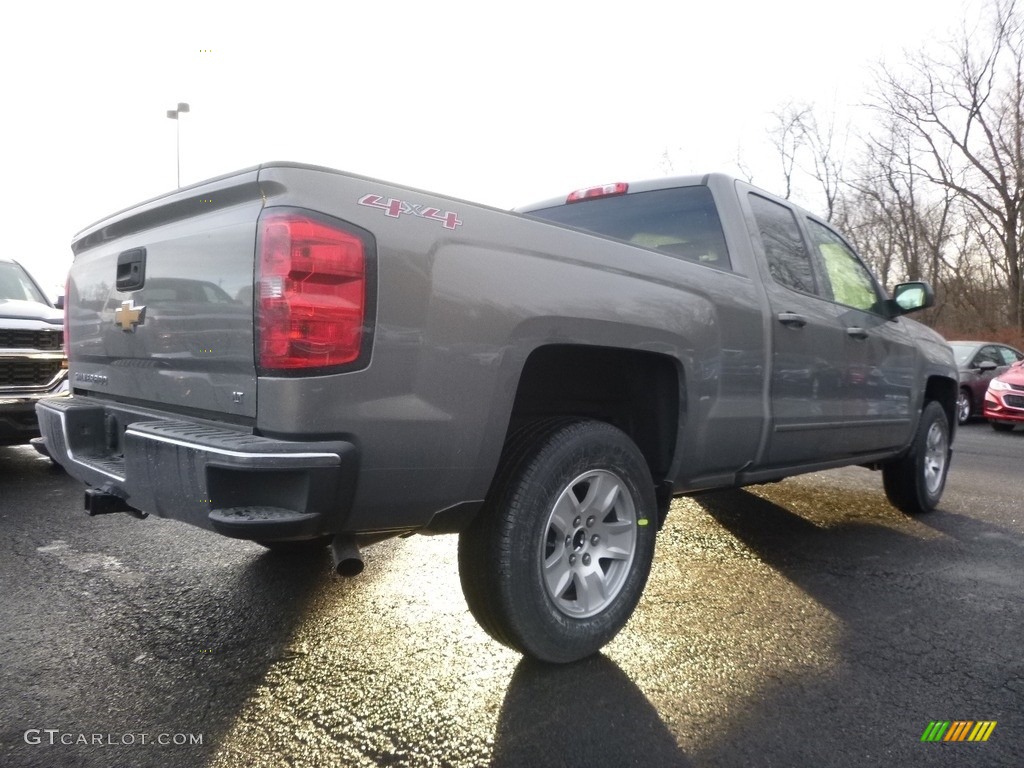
128 316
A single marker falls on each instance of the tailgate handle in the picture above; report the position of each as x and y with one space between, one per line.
131 269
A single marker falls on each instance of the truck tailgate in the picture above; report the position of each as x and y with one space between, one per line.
160 300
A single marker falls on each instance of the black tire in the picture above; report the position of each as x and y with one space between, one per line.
294 548
914 483
536 522
964 406
1000 426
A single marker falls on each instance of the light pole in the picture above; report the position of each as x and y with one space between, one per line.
173 114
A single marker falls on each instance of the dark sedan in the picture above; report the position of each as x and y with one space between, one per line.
979 362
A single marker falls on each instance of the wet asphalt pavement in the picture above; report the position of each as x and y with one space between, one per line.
803 623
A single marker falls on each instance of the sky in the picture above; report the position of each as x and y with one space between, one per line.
500 104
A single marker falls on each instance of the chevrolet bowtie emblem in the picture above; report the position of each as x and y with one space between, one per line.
128 316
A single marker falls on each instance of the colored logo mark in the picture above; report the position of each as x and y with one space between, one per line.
958 730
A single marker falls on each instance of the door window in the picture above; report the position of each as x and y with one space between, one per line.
1009 356
989 354
789 263
850 280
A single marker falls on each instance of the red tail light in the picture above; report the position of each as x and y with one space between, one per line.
312 292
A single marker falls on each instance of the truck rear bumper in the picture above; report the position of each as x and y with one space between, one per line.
232 482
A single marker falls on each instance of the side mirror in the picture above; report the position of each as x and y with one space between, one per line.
987 365
59 304
910 297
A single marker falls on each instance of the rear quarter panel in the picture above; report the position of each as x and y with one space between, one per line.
458 312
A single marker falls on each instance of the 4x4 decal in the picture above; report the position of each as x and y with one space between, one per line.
395 208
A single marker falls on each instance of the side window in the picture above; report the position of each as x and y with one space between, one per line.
1009 356
788 260
851 282
988 354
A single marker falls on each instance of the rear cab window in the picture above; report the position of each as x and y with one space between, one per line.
681 221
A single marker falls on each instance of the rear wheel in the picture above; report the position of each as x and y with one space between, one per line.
914 484
555 562
1000 426
963 406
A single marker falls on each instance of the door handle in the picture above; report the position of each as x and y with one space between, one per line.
792 319
857 333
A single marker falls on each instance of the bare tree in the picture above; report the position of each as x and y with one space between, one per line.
826 160
743 167
667 166
808 146
916 215
789 134
963 111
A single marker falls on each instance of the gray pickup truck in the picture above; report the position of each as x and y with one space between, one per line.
303 357
32 362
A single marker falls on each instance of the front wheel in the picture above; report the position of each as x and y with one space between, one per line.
914 484
963 407
555 562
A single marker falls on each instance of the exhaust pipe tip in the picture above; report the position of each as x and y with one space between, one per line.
345 554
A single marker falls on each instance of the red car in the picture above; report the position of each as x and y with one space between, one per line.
1004 400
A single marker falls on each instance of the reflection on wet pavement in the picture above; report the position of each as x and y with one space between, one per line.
747 605
391 668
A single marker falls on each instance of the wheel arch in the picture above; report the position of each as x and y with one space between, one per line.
639 392
945 392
